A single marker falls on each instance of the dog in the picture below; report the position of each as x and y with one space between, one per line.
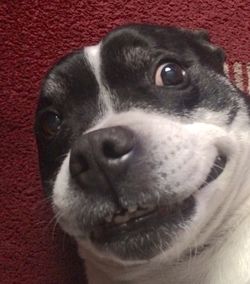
144 150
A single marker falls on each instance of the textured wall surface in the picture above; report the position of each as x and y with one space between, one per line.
33 35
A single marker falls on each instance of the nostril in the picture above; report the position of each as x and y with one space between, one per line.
113 150
109 150
78 164
83 163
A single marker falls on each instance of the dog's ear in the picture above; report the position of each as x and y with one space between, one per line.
201 34
210 53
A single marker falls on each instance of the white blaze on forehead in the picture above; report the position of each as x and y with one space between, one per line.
93 55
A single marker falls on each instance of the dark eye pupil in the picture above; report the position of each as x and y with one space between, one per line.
172 74
50 124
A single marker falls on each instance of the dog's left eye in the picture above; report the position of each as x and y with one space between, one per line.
50 124
169 74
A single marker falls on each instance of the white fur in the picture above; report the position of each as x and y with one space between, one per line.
92 53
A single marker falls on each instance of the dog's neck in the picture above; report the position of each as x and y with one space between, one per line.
111 273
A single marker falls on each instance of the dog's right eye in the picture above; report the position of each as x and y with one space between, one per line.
50 124
169 74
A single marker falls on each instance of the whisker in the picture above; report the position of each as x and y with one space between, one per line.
43 203
55 219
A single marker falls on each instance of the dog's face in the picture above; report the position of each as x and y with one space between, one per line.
137 141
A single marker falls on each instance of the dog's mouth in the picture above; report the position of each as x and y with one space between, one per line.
216 170
135 218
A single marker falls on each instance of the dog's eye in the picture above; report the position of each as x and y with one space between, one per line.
169 74
50 124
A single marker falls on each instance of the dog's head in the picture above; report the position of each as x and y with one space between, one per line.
137 140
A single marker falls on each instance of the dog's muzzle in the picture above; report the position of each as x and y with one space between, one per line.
108 162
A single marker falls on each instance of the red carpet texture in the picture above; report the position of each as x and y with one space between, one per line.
35 33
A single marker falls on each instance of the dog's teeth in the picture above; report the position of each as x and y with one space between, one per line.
119 219
132 209
131 213
148 207
140 213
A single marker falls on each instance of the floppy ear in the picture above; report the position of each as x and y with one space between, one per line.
211 54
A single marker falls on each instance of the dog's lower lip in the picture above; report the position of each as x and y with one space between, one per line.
216 170
167 214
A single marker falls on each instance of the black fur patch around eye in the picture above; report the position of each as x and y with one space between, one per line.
70 88
130 56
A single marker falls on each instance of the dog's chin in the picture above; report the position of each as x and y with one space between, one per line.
144 233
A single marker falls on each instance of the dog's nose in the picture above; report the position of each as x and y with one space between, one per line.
100 156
